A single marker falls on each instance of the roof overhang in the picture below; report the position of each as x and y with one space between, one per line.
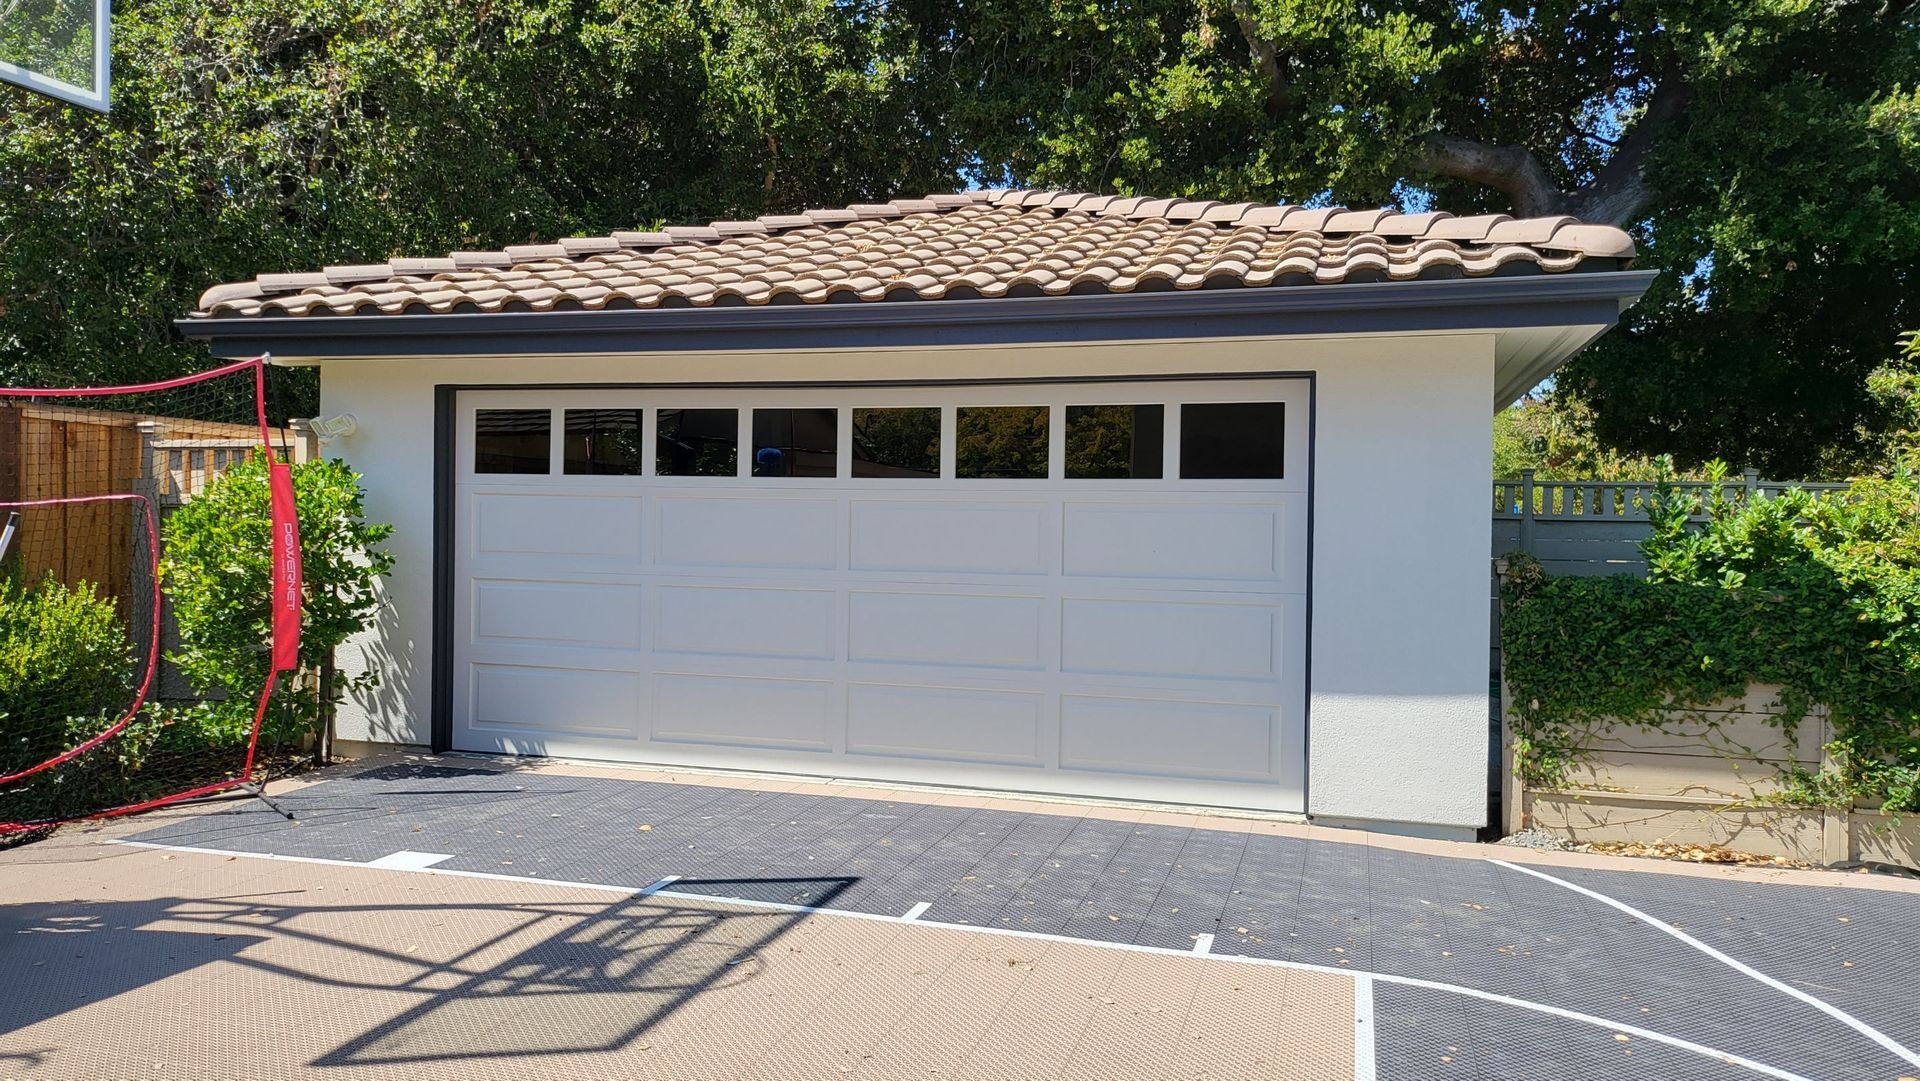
1542 319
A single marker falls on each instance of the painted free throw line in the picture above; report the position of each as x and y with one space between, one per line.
655 890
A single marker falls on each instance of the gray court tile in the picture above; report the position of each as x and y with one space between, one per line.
1462 921
1427 1034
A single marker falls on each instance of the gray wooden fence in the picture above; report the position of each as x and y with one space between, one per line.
1591 527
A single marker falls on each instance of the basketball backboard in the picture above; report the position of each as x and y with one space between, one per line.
57 48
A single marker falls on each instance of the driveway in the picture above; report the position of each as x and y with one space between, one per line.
468 918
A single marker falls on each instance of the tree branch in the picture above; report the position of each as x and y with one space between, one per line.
1619 193
1279 89
1509 169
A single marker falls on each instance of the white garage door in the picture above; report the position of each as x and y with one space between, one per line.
1078 588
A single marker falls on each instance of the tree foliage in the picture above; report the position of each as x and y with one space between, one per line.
265 135
1766 153
1554 437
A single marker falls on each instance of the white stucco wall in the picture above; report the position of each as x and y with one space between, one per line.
1397 714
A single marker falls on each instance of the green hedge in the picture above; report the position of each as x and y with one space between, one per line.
1819 596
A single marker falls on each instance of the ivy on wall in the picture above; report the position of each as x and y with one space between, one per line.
1819 596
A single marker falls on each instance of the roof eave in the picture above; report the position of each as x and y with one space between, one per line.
1579 299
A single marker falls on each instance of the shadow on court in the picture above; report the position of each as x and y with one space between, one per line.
465 980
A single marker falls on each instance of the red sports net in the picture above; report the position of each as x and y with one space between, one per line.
109 703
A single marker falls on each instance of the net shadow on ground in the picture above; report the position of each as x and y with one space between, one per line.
43 974
595 983
469 980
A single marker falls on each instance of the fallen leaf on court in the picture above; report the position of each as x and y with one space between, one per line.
1114 918
1690 853
1239 930
1622 1037
1844 919
646 827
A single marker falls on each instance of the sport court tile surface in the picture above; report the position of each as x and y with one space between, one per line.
121 964
1069 872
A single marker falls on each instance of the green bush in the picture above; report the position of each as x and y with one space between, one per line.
66 669
218 570
1818 595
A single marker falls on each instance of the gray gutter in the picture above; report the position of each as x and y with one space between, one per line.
1593 298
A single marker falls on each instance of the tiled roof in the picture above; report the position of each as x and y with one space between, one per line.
974 244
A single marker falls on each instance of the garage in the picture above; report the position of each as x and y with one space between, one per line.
1174 500
1083 588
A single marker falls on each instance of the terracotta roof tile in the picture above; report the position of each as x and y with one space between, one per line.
947 245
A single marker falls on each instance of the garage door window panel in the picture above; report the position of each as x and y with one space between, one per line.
603 442
796 442
1233 441
899 442
697 443
1116 442
512 441
1001 442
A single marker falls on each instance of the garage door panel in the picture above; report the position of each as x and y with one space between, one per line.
534 701
1168 738
1182 542
744 621
951 724
1176 639
948 537
774 533
557 613
520 523
743 711
951 629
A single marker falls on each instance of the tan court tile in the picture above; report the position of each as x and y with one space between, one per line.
200 966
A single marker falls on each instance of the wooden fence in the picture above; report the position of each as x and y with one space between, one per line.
50 451
1591 527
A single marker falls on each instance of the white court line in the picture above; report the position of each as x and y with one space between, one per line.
658 885
409 860
1203 944
1297 966
1363 1059
1737 965
917 911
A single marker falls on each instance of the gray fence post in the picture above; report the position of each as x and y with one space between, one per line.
304 443
1526 511
1753 483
